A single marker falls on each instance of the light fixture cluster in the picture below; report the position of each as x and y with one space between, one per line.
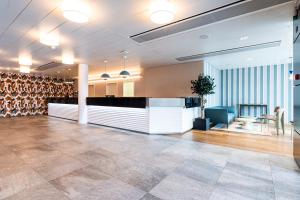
78 11
123 74
114 78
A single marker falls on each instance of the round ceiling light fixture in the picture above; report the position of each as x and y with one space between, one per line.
162 11
50 39
76 11
105 76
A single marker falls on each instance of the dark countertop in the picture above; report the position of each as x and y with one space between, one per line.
63 100
129 102
132 102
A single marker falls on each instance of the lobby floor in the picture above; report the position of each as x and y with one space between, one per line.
280 145
44 158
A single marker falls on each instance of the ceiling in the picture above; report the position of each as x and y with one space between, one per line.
112 22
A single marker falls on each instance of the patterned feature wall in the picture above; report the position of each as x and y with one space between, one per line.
214 99
24 95
258 85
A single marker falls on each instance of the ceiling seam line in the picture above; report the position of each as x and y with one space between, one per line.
31 43
188 18
15 19
49 13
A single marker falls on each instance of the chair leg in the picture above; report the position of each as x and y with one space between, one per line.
283 128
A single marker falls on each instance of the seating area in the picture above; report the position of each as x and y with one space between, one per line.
226 118
221 114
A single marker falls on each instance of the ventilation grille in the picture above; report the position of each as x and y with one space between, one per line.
225 12
51 65
48 66
228 51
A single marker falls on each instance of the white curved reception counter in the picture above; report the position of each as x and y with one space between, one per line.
148 115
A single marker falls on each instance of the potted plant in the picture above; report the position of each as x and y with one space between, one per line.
203 86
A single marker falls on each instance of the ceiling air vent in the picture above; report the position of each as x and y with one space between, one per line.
234 9
48 66
228 51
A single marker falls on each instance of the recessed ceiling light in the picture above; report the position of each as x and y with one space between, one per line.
50 39
249 59
162 11
76 11
203 37
244 38
25 69
68 58
25 59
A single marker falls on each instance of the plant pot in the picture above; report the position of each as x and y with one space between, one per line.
201 124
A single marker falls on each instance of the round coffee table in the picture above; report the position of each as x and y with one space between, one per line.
247 122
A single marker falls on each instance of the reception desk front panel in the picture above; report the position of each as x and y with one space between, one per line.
147 115
65 111
135 119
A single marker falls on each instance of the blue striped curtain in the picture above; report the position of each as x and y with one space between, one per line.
258 85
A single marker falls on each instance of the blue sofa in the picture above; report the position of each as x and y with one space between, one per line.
221 114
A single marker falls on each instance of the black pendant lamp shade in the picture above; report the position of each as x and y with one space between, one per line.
124 73
105 75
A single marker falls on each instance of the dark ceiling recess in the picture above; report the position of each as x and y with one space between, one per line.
51 65
48 66
232 50
234 9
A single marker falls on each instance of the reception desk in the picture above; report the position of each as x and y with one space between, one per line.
66 108
140 114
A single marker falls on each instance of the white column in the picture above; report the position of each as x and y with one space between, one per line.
83 71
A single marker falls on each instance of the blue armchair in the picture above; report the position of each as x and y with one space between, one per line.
221 114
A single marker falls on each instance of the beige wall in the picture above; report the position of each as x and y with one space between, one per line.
100 89
163 81
171 80
91 90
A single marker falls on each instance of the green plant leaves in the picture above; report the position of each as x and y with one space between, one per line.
204 85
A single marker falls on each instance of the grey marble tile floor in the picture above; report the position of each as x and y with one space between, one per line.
43 158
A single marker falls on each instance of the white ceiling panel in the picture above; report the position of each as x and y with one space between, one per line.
10 9
113 21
